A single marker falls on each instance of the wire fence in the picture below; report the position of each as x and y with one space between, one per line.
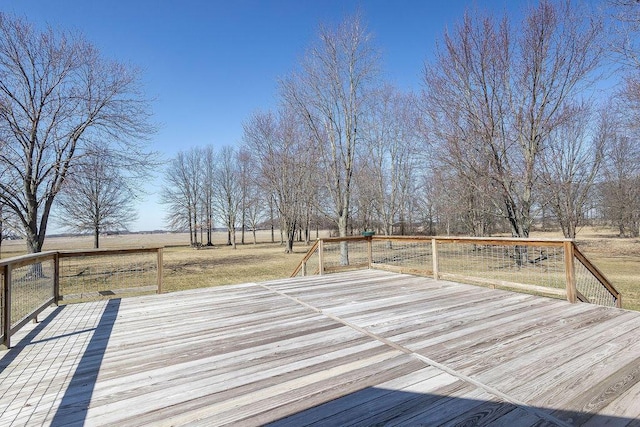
545 267
410 256
98 275
28 287
31 286
345 255
33 282
591 288
312 266
534 265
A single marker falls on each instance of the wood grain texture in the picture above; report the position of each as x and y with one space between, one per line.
356 348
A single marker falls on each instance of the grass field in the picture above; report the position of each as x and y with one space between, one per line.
185 268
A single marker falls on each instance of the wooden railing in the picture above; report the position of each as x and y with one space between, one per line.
31 283
553 267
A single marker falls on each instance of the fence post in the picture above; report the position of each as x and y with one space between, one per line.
160 272
320 258
304 268
569 269
6 306
434 257
56 278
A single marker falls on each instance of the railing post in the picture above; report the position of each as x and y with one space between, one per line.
56 278
6 306
321 258
434 257
160 271
569 268
304 268
369 251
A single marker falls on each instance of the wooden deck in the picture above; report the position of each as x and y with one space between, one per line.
359 348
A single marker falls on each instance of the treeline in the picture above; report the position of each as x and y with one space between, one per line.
512 130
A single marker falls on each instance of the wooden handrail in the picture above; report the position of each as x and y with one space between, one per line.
22 260
304 260
505 241
105 252
598 275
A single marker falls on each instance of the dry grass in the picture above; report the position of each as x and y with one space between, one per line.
617 258
185 268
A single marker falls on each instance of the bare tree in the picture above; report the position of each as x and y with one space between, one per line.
626 31
569 166
282 156
621 185
228 195
208 190
8 225
390 140
96 198
494 95
365 216
252 198
328 93
245 183
255 210
2 227
181 192
57 95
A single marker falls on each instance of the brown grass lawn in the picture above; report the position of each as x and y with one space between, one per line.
185 268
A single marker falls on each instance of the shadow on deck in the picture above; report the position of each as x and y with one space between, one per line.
362 348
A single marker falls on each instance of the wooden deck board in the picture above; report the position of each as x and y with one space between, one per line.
359 348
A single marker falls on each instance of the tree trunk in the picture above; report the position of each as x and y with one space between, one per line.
243 221
233 237
291 235
96 237
273 237
343 223
209 227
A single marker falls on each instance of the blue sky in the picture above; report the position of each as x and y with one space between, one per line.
209 64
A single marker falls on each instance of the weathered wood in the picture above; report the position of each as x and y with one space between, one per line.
305 259
598 275
569 249
110 293
104 252
160 272
401 270
320 257
6 307
434 258
504 284
360 348
570 273
24 260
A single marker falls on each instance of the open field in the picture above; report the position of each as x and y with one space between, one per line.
187 268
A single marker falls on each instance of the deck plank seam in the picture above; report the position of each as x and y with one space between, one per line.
491 390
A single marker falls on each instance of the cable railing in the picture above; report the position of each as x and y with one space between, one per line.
551 267
31 283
